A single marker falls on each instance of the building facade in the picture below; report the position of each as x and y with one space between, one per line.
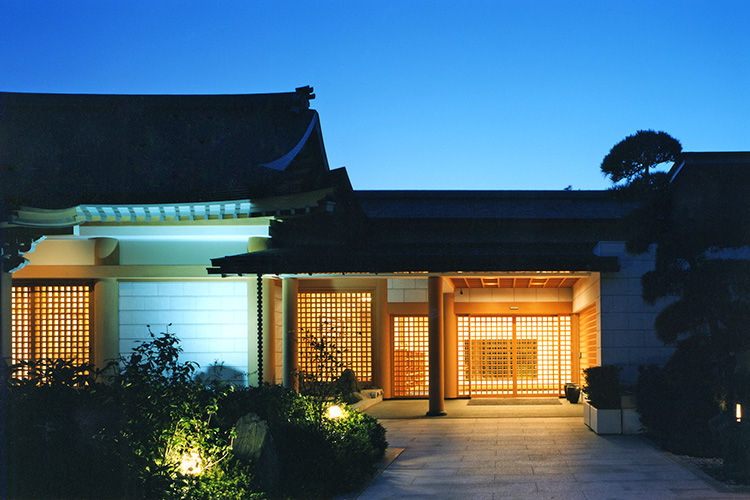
218 218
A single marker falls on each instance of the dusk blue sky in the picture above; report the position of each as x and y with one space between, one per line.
419 94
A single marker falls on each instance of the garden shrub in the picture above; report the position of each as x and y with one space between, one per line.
55 437
603 386
124 439
318 456
677 402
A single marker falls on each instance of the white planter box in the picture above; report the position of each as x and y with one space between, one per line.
602 421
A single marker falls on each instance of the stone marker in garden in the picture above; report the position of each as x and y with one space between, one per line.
254 442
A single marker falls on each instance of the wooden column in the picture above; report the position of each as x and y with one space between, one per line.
435 334
289 288
381 340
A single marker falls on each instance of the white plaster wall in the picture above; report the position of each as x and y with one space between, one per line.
209 317
178 252
586 291
62 252
628 337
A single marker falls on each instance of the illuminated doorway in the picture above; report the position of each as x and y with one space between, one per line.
507 356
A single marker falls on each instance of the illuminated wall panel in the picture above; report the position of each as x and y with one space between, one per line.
342 318
51 322
410 356
210 318
587 337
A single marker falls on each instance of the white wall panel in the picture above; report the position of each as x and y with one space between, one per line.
209 318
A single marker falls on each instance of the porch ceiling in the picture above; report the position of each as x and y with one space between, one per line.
522 282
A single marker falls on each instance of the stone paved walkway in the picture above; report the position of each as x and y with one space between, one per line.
526 458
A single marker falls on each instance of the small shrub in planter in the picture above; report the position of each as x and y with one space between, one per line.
603 386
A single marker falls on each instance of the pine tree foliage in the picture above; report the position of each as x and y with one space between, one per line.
634 157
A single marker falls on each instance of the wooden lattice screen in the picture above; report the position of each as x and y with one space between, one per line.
410 356
343 318
514 355
51 322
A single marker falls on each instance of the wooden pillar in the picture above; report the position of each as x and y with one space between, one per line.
381 341
450 347
106 320
289 288
435 334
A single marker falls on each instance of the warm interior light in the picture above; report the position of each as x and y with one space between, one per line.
191 463
334 412
738 412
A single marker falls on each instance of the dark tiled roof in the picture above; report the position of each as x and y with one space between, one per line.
59 150
327 259
688 162
492 204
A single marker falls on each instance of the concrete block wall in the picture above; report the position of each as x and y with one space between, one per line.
209 317
407 290
628 337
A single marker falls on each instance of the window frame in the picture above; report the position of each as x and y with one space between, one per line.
32 284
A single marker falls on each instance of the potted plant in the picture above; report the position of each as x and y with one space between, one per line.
601 409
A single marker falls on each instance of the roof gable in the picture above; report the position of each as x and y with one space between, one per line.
61 150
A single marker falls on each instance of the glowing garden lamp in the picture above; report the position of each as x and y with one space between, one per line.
738 412
191 463
334 412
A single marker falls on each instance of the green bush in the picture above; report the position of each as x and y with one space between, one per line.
677 402
125 438
54 433
318 456
603 386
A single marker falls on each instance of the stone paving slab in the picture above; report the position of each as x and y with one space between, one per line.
497 458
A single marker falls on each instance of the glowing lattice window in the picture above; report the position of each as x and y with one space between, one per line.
341 318
514 355
411 374
51 322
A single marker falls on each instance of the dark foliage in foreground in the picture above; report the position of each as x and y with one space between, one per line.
677 402
73 432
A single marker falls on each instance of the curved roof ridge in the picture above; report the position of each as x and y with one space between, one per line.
283 162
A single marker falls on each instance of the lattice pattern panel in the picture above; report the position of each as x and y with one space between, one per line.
21 324
587 338
507 356
551 337
410 356
51 322
341 318
485 355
